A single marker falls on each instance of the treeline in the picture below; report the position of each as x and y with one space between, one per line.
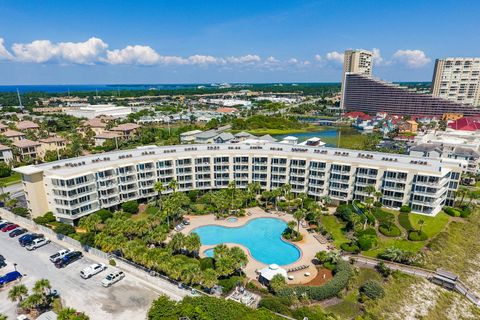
266 122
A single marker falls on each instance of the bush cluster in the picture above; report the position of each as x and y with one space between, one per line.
383 216
405 209
350 247
417 235
372 289
45 219
389 230
342 275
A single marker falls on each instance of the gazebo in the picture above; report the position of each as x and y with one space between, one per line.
267 273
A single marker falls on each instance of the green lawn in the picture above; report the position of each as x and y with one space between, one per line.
14 178
334 227
261 132
432 225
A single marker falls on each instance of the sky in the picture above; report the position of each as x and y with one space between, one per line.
127 42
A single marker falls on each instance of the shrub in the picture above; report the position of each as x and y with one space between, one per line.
342 275
45 219
367 242
466 212
383 216
417 235
372 289
276 304
452 211
5 170
350 247
130 206
389 230
229 283
112 262
87 239
405 209
206 263
321 256
104 214
64 229
383 269
367 231
377 204
398 255
404 221
22 212
330 265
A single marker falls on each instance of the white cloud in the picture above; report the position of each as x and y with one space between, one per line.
335 56
141 55
249 58
293 61
377 57
272 60
41 51
318 57
205 59
4 54
412 58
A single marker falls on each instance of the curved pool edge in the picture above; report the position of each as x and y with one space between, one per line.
204 248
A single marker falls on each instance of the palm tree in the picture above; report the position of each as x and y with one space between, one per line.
178 242
275 194
291 225
462 192
71 314
209 278
159 187
192 243
90 223
3 317
18 293
173 185
326 200
298 215
42 286
421 223
33 301
473 195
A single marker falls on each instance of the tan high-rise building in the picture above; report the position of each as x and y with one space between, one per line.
457 79
358 62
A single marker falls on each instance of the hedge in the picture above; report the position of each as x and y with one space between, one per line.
350 247
405 209
404 221
417 235
383 216
393 231
452 211
276 304
331 288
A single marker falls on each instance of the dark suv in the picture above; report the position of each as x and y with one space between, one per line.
25 240
69 258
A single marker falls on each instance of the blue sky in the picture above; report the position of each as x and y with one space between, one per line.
84 42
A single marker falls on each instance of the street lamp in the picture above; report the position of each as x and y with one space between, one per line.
15 266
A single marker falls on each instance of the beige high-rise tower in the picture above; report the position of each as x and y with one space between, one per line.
356 61
457 79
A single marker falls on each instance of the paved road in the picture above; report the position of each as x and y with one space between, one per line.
128 299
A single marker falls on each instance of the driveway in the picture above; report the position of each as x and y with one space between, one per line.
128 299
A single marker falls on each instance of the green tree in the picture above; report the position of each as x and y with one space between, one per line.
18 293
90 223
130 206
277 283
192 243
71 314
159 188
298 215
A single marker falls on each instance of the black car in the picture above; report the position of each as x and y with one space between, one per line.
25 240
69 258
2 264
16 232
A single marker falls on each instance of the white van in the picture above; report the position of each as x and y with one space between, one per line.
37 243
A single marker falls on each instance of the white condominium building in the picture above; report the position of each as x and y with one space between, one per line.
457 79
358 62
77 187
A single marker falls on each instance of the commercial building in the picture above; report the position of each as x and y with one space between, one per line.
356 62
76 187
362 93
98 110
457 79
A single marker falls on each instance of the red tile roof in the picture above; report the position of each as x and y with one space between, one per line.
354 114
466 124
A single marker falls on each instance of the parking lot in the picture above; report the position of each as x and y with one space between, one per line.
128 299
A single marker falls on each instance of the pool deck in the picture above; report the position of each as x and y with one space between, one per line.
309 246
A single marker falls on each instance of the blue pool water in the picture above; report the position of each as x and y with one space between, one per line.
232 219
208 253
261 236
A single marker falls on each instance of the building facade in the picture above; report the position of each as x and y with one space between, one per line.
356 62
457 79
77 187
361 93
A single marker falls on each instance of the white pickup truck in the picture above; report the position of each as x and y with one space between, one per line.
37 243
59 255
113 277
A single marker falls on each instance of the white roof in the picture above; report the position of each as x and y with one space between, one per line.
291 138
50 315
271 271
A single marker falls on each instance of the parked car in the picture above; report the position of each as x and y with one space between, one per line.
59 255
9 277
3 264
69 258
37 243
16 232
112 278
28 238
10 227
4 224
92 270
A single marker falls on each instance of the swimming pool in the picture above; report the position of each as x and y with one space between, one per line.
261 236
